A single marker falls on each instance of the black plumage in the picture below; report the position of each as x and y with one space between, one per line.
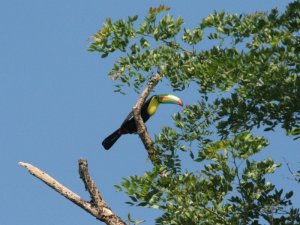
147 110
127 127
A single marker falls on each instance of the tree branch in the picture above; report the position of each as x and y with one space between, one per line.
96 207
141 127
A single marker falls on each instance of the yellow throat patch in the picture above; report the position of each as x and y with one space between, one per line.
152 107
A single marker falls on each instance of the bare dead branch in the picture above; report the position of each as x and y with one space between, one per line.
96 207
141 128
90 185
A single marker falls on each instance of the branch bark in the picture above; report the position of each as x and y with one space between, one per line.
141 127
96 207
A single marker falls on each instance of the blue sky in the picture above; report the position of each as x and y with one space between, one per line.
57 104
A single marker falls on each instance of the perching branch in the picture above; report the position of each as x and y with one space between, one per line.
141 128
96 207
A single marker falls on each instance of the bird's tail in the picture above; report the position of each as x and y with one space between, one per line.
111 139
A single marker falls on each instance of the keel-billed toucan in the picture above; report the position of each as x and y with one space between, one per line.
148 109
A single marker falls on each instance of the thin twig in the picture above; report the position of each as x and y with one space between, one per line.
295 175
96 207
241 188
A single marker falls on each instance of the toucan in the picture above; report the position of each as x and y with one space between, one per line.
147 110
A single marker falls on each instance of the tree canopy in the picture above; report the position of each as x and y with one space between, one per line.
246 70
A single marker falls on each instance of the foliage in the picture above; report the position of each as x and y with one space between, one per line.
247 74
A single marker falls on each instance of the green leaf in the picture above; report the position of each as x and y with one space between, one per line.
118 188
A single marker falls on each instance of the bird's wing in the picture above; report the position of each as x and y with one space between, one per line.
144 113
128 118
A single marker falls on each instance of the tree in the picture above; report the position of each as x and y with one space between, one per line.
247 78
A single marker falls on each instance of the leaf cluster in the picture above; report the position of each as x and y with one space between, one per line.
247 77
231 188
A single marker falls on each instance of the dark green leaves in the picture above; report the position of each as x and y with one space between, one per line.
192 37
245 77
113 36
167 28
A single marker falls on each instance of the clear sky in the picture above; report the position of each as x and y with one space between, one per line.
57 104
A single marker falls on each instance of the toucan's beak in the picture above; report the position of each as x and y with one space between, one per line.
169 99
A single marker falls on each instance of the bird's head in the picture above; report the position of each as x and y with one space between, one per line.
155 100
169 99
